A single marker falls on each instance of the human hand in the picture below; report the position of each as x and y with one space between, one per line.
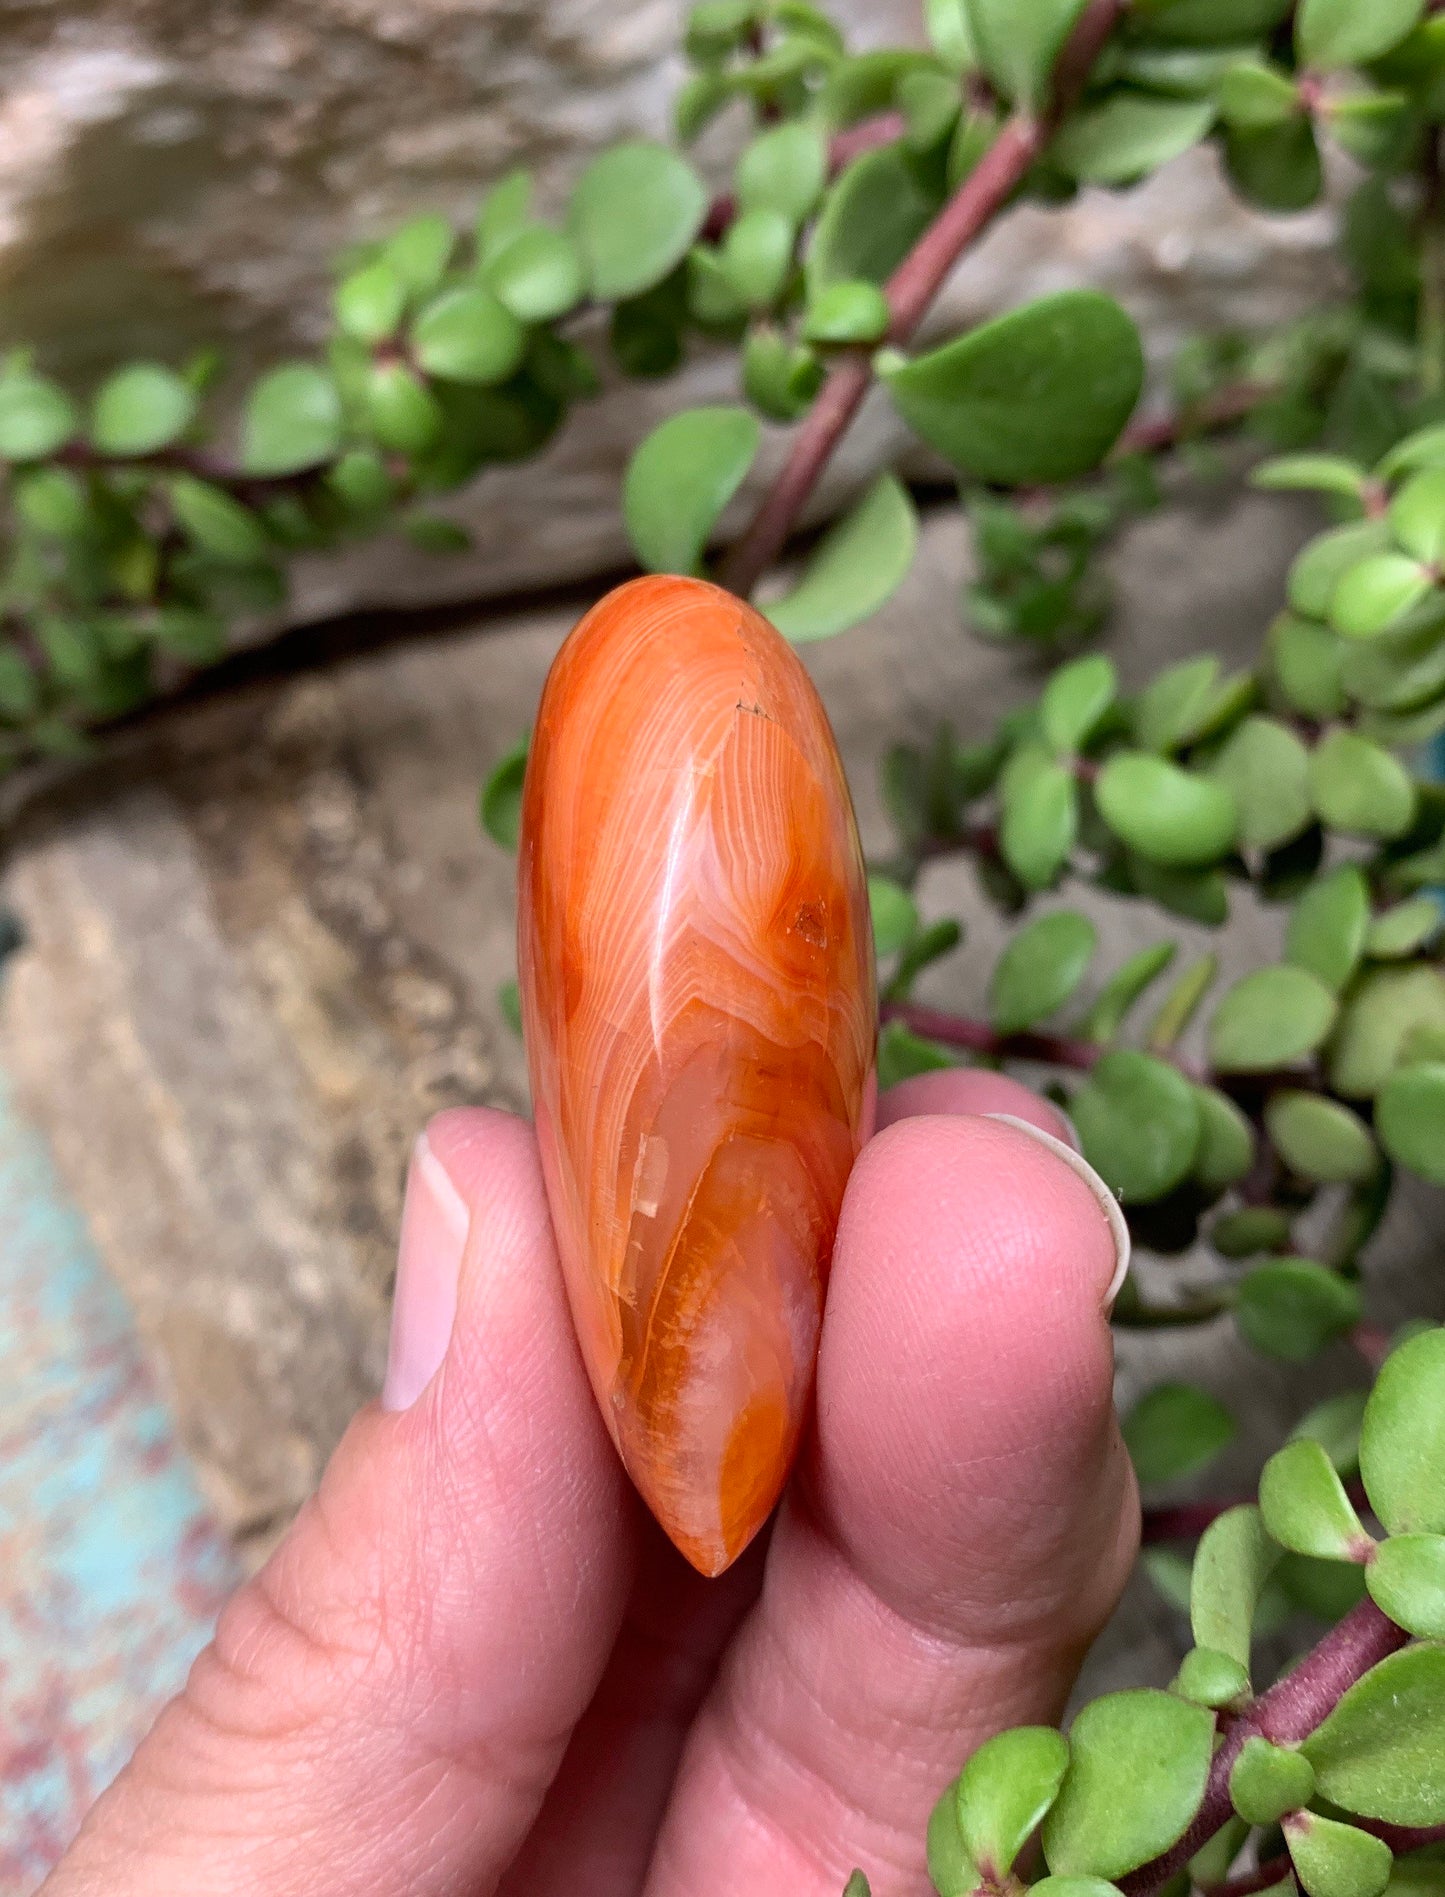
474 1664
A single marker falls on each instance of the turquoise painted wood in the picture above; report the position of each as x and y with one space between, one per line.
111 1571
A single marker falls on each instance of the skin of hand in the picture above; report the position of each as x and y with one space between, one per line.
474 1664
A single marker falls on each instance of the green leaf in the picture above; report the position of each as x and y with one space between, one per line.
1335 1426
1328 924
421 250
1233 1561
1123 988
1266 1781
292 421
1410 1117
949 33
1331 33
784 169
1039 969
214 521
1319 568
894 914
1320 1139
846 312
1381 1752
951 1870
1402 1441
36 417
1040 821
1335 1860
1017 42
1005 1791
1305 1508
1075 1887
1400 931
1038 395
369 303
505 210
1318 473
466 335
1417 515
1210 1679
859 563
902 1054
1265 769
1387 1010
1174 1430
757 257
1075 700
509 1002
53 501
1249 1231
1138 1121
1255 96
929 945
634 214
536 274
501 803
1179 1005
141 409
1406 1580
1137 1769
1268 1018
1376 593
1198 895
857 1886
930 104
1291 1308
1359 787
680 479
1226 1141
404 414
870 219
1277 168
1128 135
1168 815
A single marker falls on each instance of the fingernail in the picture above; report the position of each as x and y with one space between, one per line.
1108 1204
434 1220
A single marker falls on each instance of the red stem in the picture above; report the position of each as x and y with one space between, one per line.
977 1037
910 291
1287 1713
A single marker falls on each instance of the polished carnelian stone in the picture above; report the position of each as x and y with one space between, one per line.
697 989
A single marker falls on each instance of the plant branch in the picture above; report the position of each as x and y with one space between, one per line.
978 1037
1184 1521
910 291
1287 1713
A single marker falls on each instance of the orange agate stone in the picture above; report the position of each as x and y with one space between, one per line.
696 971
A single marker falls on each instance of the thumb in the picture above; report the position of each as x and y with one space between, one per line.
383 1707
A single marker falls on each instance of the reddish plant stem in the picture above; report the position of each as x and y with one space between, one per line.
910 291
1372 1341
977 1037
1183 1521
1287 1713
1235 402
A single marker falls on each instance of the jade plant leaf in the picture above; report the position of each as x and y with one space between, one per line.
1137 1769
680 479
1381 1752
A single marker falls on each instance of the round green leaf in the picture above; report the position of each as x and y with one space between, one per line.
217 523
421 250
1417 515
1267 1780
894 914
1410 1117
1075 1887
1137 1769
53 501
36 417
857 565
404 414
1402 1440
1335 1426
870 219
1265 769
847 312
1138 1121
1017 42
679 481
369 303
1074 701
1330 33
1169 815
1174 706
1318 569
1233 1561
1376 594
1039 823
1328 925
1005 1790
951 1870
1123 988
1249 1231
501 800
1210 1679
536 274
1255 96
1278 167
1387 1010
1335 1860
1402 930
757 256
1174 1430
1226 1141
1305 1508
1312 473
141 409
1359 787
635 212
467 335
1291 1308
1039 969
292 421
505 210
1406 1580
1039 395
1268 1018
1381 1752
902 1054
1320 1139
784 169
1128 135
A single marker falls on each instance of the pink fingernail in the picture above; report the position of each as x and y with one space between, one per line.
434 1220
